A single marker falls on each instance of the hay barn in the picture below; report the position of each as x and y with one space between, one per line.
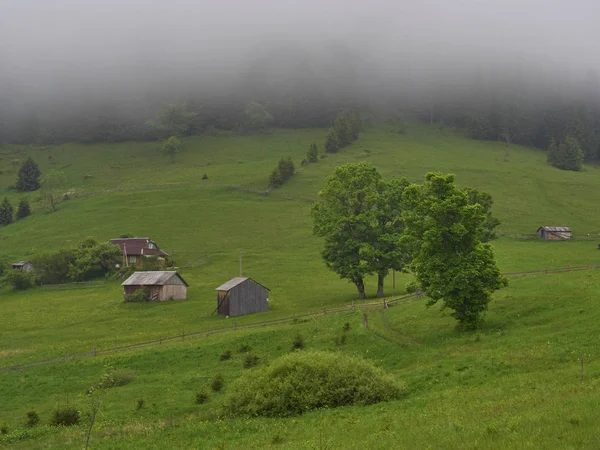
555 233
161 285
242 295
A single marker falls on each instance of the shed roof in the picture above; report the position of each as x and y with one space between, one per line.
20 263
138 246
555 229
152 278
234 282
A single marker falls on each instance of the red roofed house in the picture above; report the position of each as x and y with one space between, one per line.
136 248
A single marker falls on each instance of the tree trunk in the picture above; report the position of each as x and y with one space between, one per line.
360 285
380 278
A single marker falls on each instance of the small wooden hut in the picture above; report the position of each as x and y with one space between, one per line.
161 285
26 266
242 295
554 233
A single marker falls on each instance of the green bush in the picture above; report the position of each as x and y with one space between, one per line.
32 418
65 416
140 404
217 383
303 381
250 360
139 296
298 342
244 348
201 397
226 355
20 280
4 429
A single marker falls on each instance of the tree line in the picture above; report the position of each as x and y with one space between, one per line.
436 230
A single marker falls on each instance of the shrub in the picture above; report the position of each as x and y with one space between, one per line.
139 296
4 429
244 348
226 355
217 383
298 342
65 416
201 397
205 177
24 209
250 360
20 280
346 327
313 153
140 404
32 418
303 381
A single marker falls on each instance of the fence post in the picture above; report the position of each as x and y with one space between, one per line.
385 305
324 310
234 326
160 340
353 305
94 351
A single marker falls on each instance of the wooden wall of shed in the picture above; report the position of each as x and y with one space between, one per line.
247 297
177 291
223 302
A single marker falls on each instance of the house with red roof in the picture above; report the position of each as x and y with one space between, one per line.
136 248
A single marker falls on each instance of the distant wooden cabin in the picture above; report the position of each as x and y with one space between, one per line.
134 249
555 233
27 266
161 285
242 295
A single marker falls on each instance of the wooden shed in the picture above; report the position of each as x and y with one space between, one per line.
554 233
242 295
27 266
161 285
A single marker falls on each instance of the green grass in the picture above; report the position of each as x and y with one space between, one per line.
514 384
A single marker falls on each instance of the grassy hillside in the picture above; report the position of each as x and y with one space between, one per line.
515 384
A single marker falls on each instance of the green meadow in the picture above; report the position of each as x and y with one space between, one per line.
517 383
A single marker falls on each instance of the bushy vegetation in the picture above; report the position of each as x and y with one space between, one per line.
345 130
138 296
24 210
20 280
29 176
312 156
65 416
33 418
284 171
566 155
300 382
217 383
6 212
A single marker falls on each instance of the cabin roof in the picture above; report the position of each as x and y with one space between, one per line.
555 229
152 278
234 282
20 263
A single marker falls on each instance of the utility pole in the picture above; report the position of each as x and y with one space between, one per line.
240 262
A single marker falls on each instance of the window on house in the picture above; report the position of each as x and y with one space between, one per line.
132 259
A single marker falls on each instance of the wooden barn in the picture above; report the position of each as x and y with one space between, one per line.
554 233
27 266
242 295
162 285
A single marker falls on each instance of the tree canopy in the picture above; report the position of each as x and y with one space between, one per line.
29 176
6 212
171 147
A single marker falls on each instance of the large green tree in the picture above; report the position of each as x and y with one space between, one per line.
24 209
29 176
566 155
444 230
344 218
171 147
92 258
6 212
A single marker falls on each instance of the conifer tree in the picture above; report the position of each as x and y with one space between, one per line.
29 176
6 212
332 142
24 209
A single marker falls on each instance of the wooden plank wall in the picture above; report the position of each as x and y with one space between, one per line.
247 297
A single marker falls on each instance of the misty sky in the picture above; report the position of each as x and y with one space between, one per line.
48 42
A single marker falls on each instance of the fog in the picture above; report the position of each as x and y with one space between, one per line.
126 52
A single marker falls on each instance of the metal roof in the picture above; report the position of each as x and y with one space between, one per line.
20 263
152 278
555 229
234 282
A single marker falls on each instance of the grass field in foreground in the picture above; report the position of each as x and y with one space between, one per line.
515 384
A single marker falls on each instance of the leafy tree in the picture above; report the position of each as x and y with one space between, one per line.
20 279
24 209
332 142
4 265
6 212
444 231
566 155
176 119
29 176
313 153
383 250
345 217
53 185
91 258
275 179
171 147
53 268
256 116
283 172
490 224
